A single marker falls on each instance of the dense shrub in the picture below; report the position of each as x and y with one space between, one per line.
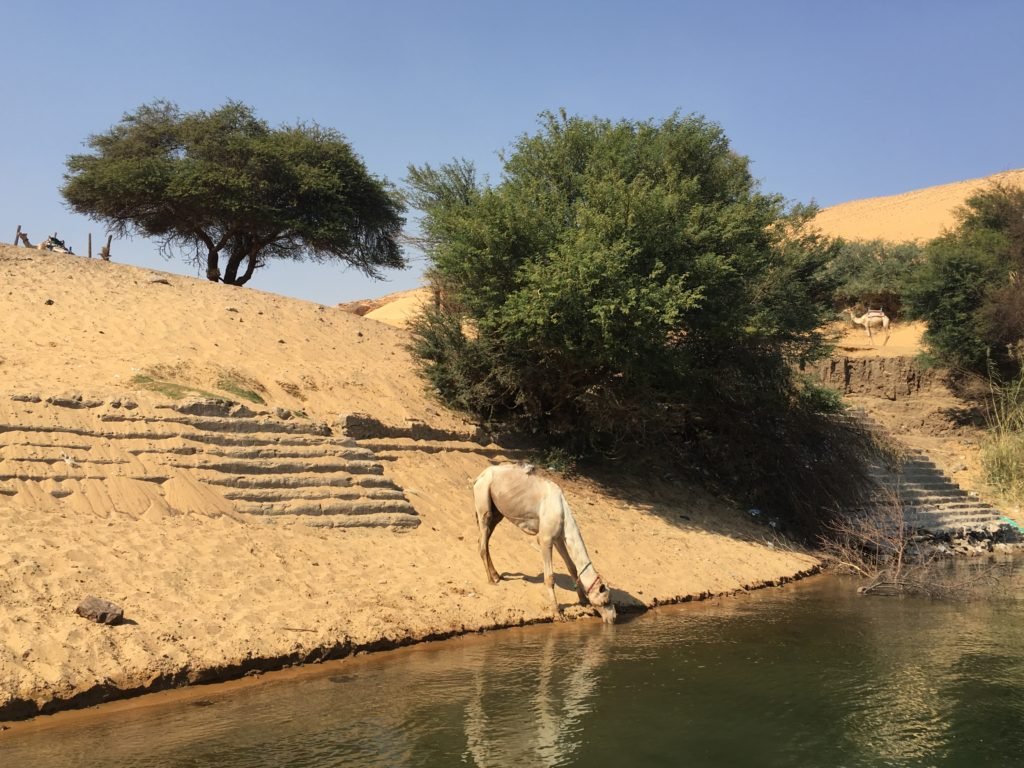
969 290
873 273
627 285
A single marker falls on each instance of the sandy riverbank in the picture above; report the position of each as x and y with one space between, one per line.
210 593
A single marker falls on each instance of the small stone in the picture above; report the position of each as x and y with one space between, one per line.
48 302
101 611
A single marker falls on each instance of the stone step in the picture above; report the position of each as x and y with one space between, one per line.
926 494
929 499
226 424
39 469
254 439
375 520
153 433
348 508
282 467
970 511
277 468
921 487
293 480
954 526
973 514
951 506
313 451
311 493
412 444
933 503
24 445
57 475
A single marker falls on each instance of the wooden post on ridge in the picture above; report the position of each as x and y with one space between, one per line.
17 235
90 245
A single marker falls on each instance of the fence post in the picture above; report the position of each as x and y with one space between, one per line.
17 235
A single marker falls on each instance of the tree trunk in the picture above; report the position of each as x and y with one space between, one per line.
250 267
243 248
231 270
212 266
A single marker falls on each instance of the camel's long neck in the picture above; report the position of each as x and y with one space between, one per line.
574 543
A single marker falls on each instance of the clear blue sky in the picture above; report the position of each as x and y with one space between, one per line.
832 101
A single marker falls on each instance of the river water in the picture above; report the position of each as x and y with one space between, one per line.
808 675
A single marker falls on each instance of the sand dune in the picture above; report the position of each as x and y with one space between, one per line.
918 215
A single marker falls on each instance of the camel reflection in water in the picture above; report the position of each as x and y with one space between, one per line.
532 711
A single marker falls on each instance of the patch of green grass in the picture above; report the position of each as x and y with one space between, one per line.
1003 459
171 389
1002 453
168 381
241 386
559 460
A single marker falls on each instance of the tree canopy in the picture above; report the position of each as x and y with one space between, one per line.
970 289
224 184
874 273
617 271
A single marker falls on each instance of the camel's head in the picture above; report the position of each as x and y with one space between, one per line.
602 600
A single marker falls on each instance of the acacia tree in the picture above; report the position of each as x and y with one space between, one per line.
224 184
617 271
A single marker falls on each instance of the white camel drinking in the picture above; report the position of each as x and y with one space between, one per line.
538 507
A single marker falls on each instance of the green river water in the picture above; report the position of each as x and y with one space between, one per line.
808 675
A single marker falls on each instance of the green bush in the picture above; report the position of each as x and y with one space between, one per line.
969 290
874 274
627 285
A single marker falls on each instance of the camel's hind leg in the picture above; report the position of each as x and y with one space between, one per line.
487 517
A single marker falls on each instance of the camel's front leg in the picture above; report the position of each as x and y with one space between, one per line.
549 574
571 567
